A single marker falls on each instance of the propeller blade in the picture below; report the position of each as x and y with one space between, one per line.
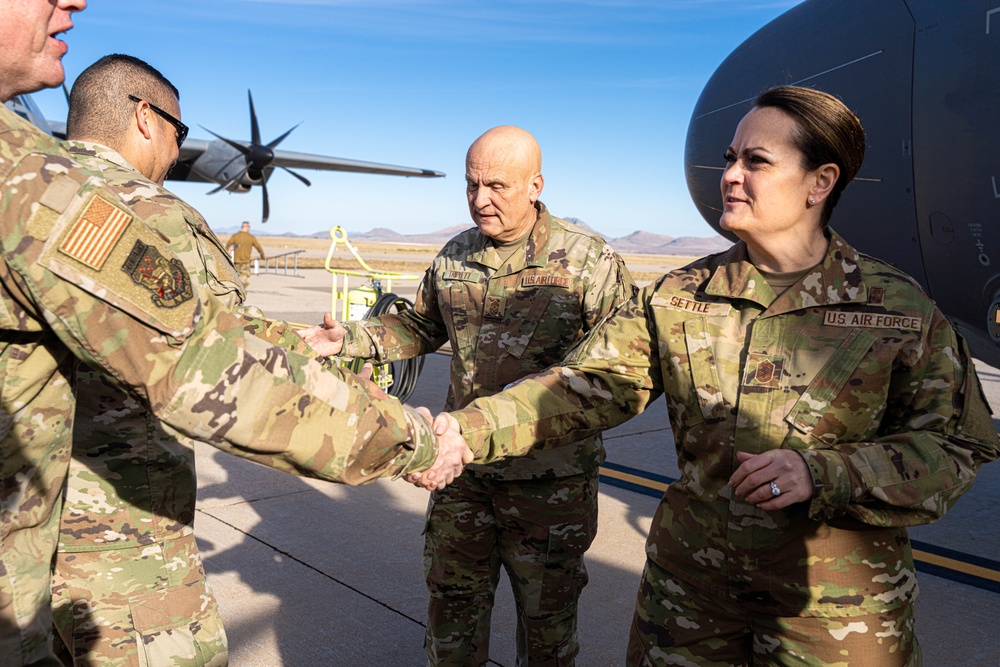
254 128
298 176
227 184
282 137
267 206
240 147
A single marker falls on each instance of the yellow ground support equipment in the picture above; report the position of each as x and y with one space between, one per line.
368 299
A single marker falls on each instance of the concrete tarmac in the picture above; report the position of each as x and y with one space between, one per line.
309 573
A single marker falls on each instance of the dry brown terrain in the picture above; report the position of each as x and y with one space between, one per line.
415 258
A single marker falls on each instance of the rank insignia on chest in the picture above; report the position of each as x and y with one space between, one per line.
493 307
166 279
763 371
876 296
95 232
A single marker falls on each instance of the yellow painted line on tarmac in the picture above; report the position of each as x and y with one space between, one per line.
957 565
634 479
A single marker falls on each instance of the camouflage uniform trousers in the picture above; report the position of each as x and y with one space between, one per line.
538 530
175 624
244 270
676 623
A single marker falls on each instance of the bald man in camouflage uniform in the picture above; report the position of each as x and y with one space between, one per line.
128 577
83 277
511 296
854 368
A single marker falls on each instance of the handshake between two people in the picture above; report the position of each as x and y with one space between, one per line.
327 340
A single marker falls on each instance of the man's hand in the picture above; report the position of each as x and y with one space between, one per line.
453 454
366 374
327 339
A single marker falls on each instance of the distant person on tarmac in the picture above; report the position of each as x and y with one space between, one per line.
512 297
244 243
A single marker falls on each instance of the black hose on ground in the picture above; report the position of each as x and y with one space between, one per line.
405 372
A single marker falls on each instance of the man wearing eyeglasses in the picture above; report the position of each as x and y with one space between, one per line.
126 535
83 277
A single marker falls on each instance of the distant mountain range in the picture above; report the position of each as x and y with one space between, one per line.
638 242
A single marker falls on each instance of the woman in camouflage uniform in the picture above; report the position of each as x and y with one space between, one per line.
820 403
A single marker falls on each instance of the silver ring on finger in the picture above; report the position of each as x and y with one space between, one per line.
775 491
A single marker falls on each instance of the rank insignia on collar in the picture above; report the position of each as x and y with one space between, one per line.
166 279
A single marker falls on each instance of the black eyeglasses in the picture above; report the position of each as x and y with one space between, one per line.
182 129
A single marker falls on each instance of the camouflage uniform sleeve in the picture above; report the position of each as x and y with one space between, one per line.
119 301
275 332
606 380
610 287
936 433
404 335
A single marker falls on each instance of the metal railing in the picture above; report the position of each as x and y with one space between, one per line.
283 269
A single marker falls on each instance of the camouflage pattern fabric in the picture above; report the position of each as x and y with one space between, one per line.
115 617
505 319
83 277
245 273
131 489
539 531
676 623
853 367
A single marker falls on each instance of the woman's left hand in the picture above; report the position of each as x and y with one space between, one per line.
781 470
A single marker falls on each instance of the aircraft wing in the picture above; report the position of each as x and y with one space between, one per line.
194 149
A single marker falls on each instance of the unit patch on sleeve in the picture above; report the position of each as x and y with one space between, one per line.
95 232
167 280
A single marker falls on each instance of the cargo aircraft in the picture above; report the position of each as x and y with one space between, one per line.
237 166
922 76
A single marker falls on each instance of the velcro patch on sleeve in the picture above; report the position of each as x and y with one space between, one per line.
166 280
101 246
94 233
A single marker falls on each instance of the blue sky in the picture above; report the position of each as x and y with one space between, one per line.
607 87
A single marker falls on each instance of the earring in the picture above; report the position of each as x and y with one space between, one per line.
812 200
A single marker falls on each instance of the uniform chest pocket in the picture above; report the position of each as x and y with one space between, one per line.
461 329
527 312
841 401
706 389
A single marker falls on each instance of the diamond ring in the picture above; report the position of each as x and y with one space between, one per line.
775 491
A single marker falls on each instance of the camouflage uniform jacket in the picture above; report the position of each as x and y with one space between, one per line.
853 367
132 478
506 321
83 277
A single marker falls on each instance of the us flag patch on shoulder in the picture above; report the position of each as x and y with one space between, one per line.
95 232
